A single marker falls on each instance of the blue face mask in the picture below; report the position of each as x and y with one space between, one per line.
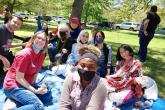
99 39
36 48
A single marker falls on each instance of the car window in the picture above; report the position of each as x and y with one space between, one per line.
128 23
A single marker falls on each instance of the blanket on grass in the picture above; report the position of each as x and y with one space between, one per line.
55 82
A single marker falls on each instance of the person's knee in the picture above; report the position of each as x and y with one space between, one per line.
39 106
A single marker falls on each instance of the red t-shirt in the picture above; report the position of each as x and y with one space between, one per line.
27 62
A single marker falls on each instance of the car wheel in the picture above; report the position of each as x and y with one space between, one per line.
117 27
131 29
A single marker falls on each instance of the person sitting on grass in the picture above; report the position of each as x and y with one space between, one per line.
83 89
82 39
104 67
64 46
19 83
122 86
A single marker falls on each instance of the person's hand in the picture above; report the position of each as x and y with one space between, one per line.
64 51
50 45
145 33
5 61
42 90
139 104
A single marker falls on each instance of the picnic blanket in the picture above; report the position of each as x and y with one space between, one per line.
55 82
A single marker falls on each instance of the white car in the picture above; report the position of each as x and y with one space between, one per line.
59 19
23 15
132 26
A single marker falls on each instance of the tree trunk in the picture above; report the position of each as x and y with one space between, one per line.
77 8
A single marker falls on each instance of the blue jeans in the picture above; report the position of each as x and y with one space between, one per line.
27 100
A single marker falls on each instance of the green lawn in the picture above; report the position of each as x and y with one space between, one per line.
154 66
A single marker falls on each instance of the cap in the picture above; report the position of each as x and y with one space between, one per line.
75 20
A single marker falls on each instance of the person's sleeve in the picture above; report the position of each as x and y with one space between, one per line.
21 63
39 26
98 97
136 70
109 57
71 58
65 103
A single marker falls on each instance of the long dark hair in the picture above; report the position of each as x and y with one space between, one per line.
102 33
125 47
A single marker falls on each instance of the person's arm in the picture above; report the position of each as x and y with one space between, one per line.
98 97
109 63
65 101
5 61
145 26
71 58
13 45
22 81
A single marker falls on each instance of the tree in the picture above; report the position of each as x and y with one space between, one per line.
77 8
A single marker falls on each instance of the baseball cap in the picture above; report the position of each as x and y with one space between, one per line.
75 20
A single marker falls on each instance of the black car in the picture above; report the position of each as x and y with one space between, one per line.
106 24
46 18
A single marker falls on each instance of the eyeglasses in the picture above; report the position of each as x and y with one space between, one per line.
39 38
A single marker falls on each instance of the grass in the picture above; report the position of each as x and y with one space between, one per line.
154 66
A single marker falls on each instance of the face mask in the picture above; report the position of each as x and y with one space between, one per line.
36 48
99 39
62 34
86 75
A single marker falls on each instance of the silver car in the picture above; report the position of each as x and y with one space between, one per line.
132 26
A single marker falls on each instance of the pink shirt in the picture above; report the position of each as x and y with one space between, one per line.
27 62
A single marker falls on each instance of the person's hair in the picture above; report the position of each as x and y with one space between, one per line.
125 47
30 42
153 8
150 15
17 16
83 32
102 33
89 49
63 27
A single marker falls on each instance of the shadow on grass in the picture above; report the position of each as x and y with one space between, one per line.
154 67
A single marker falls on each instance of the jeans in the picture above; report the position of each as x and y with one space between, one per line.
144 41
27 100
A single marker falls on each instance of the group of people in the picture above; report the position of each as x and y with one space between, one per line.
89 82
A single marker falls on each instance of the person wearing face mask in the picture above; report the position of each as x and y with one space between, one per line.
64 46
83 89
19 83
104 67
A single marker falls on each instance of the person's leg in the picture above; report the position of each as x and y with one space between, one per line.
51 53
143 42
46 98
25 97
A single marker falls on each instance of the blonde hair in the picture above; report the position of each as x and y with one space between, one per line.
30 42
89 48
63 27
83 32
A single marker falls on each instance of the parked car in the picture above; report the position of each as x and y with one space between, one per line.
92 24
132 26
46 18
23 15
59 19
105 24
160 31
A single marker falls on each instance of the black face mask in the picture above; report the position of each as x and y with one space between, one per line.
62 34
86 75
